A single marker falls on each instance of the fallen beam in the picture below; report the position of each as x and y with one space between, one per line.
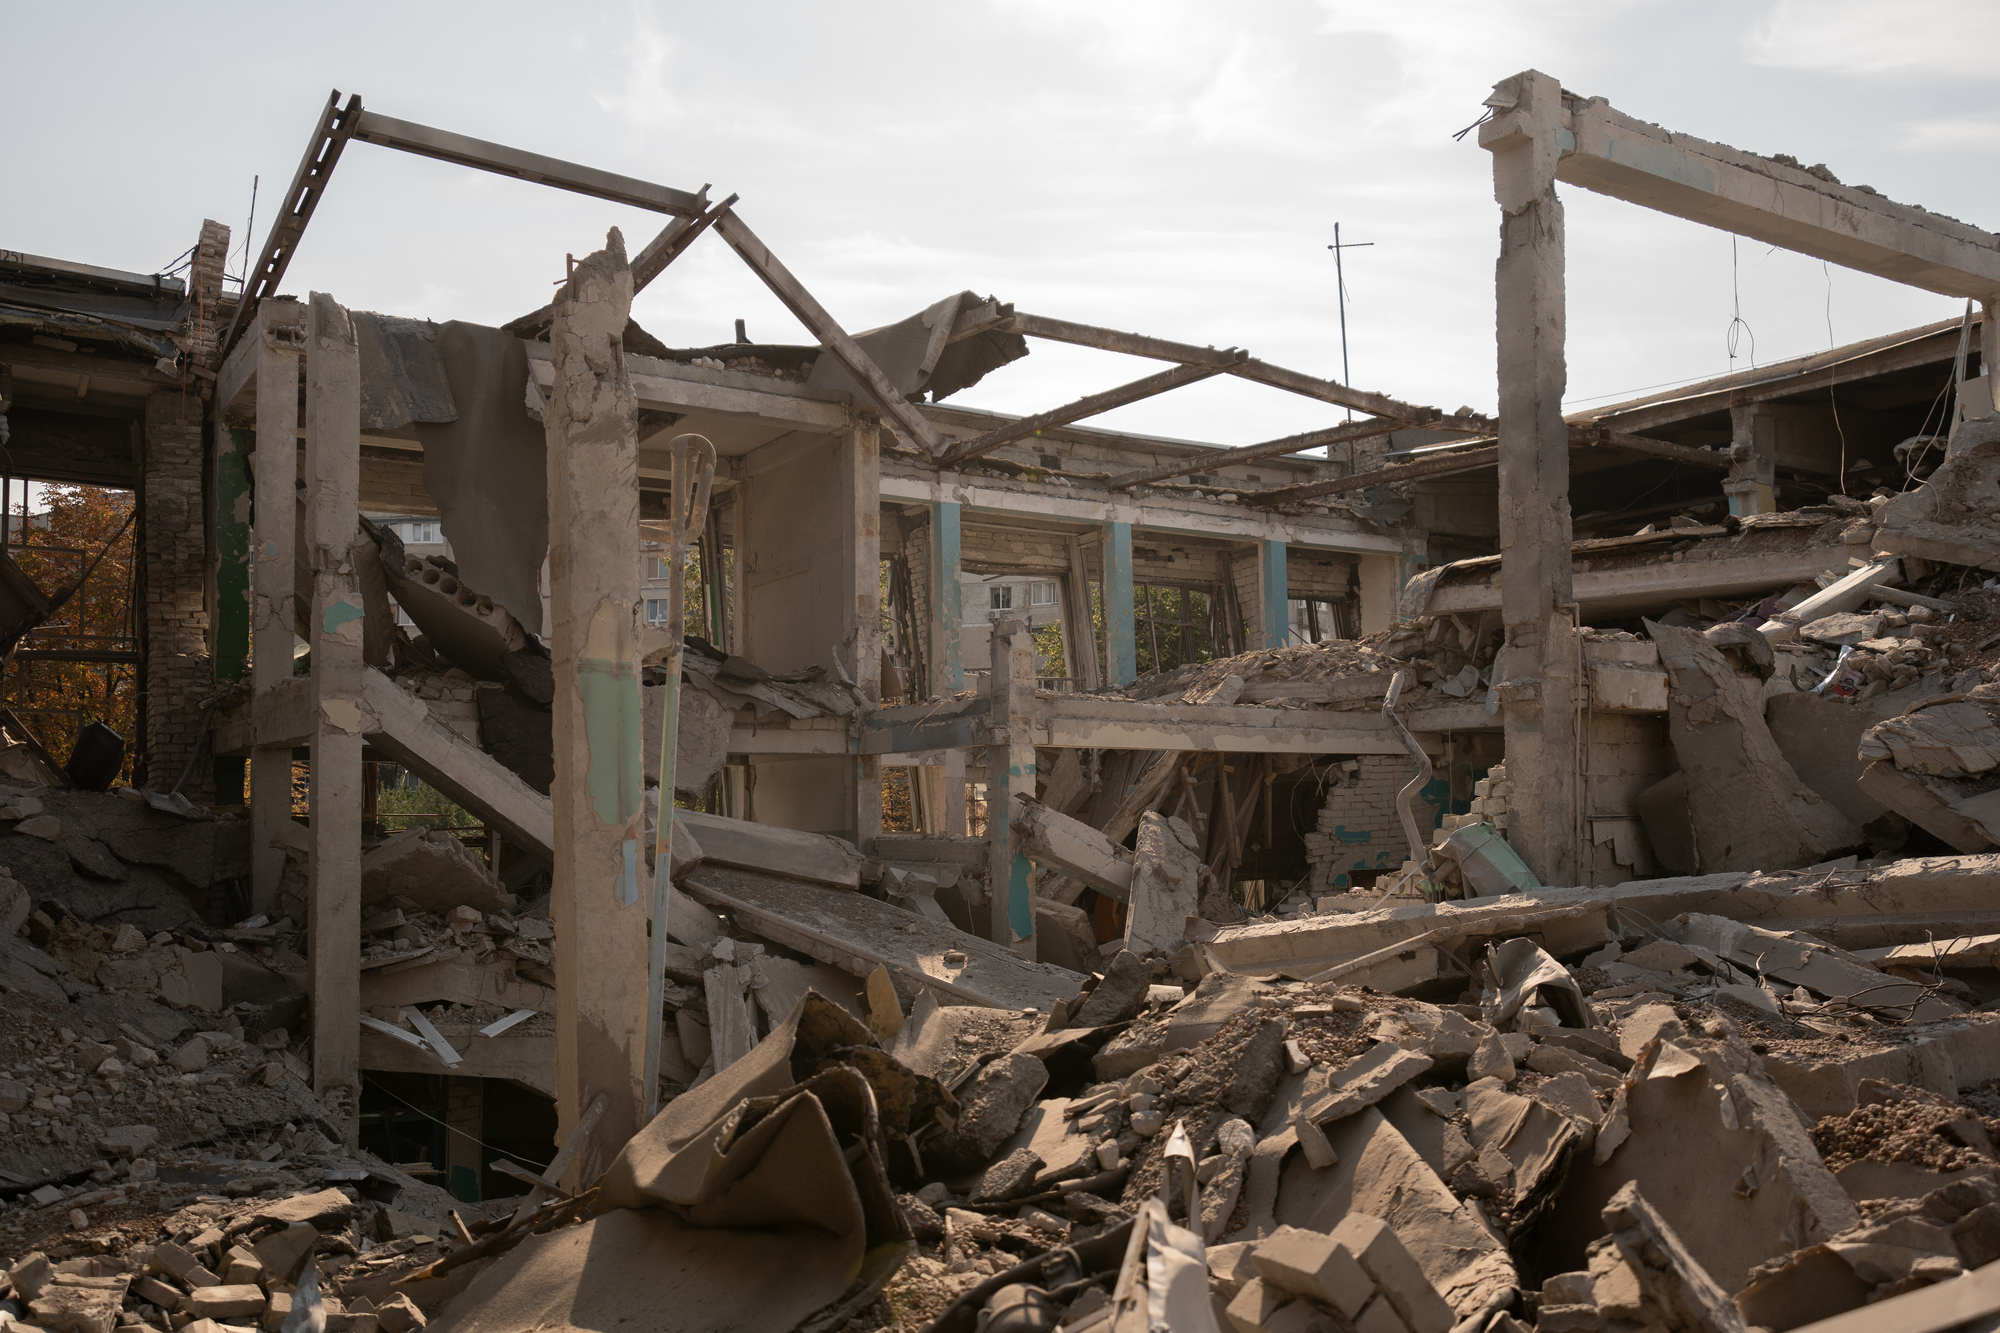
1083 407
824 327
857 934
1049 838
817 858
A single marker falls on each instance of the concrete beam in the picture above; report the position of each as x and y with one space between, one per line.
1618 592
333 912
600 914
1611 153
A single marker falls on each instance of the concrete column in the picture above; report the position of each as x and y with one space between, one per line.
861 474
1272 595
179 674
333 912
600 914
465 1125
954 793
280 333
1121 644
1010 768
1538 673
1381 578
230 592
947 601
1753 463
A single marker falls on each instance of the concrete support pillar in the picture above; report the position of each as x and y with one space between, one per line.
1010 768
1121 641
179 673
1753 461
333 912
465 1126
600 914
229 641
280 334
947 601
1989 339
954 793
1273 599
861 640
1538 663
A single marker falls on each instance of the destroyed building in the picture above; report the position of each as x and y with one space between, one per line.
1418 886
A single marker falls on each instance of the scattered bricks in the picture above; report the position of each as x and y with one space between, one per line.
1254 1304
1303 1316
46 1195
14 1096
1380 1317
240 1266
1008 1178
46 827
1547 1059
1312 1264
191 1057
205 1241
176 1262
279 1310
1372 1242
155 1292
1490 1060
127 1140
223 1301
74 1304
31 1275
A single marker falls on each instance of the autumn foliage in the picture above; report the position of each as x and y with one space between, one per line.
54 548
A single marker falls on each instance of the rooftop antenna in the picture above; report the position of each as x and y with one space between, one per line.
1340 281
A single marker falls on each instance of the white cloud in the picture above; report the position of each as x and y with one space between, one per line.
1897 39
1952 134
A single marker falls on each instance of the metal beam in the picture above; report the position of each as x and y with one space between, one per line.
662 250
1465 460
329 136
835 339
1076 411
465 151
1250 453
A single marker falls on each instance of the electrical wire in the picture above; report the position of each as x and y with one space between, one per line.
1833 375
1737 324
542 1166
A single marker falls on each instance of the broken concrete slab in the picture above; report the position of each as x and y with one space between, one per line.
434 870
1749 808
1951 517
1073 847
1668 1272
1361 1083
1118 994
857 933
1381 1175
816 858
1166 884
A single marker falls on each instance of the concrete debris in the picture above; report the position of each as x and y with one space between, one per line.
432 870
1165 884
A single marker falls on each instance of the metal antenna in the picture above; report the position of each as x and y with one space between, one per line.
1340 280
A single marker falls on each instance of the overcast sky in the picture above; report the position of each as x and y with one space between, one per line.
1174 168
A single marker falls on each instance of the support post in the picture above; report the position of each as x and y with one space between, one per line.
1273 598
1752 462
280 333
954 794
333 914
947 600
1010 768
1079 634
230 629
1538 675
600 914
861 474
1121 645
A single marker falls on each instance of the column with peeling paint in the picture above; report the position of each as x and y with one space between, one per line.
280 333
1010 769
1538 665
333 913
600 913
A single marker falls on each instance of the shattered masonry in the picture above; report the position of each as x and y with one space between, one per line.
1532 872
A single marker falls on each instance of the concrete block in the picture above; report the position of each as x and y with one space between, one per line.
1254 1304
224 1300
1381 1254
1312 1264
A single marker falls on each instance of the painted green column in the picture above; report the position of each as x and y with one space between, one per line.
1273 598
1121 647
232 549
947 599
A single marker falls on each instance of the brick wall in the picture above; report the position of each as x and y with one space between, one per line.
393 485
179 674
1359 829
205 325
1629 752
